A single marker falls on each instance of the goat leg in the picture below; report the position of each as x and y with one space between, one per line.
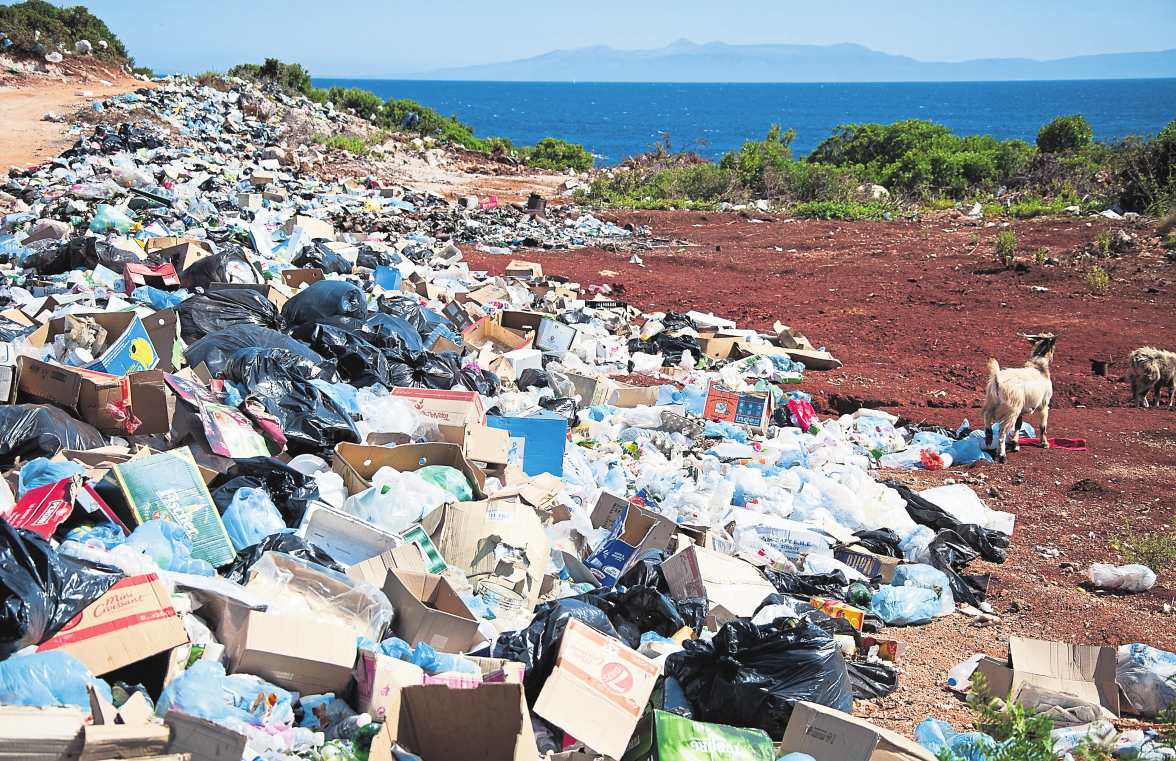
1045 427
1017 432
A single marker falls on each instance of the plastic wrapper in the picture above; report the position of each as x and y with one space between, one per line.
215 349
208 313
753 676
1147 677
386 503
939 738
291 490
206 692
437 663
1125 578
51 678
251 517
109 218
326 298
28 431
42 472
228 266
388 414
311 421
41 590
308 591
324 713
287 544
450 479
904 606
167 545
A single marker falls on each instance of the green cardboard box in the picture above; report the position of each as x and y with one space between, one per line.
662 736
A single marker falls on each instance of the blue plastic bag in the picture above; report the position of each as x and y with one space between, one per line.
51 678
251 517
937 736
42 472
394 647
204 691
434 662
169 546
158 298
903 606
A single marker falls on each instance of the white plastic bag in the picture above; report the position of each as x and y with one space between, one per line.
385 504
1125 578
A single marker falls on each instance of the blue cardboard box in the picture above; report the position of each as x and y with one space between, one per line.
537 440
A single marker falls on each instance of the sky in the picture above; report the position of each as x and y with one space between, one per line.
378 39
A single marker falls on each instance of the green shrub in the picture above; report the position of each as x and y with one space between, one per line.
1098 280
756 162
410 116
550 153
1021 733
291 77
1102 243
1065 133
58 26
1155 550
842 210
365 104
1006 247
349 144
144 70
1041 257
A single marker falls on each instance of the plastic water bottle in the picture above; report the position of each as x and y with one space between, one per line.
960 674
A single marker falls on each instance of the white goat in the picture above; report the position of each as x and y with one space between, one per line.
1151 370
1012 394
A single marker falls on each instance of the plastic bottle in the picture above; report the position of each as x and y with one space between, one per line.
960 674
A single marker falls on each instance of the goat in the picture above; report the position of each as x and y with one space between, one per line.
1151 369
1012 394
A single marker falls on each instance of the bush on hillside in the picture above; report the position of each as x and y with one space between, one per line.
550 153
58 27
1065 133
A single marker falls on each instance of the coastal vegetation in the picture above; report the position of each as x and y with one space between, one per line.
35 26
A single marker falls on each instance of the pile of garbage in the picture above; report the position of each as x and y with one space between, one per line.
287 479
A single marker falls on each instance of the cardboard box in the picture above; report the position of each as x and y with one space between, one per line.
480 443
664 736
829 735
166 242
63 505
33 733
204 740
169 485
554 336
184 254
593 391
163 328
467 534
812 360
261 179
838 609
1084 671
634 532
537 440
163 277
869 564
515 319
753 410
132 621
295 279
513 364
539 492
597 690
486 334
311 657
522 269
346 538
379 679
314 227
128 345
724 580
461 316
101 400
719 346
249 201
489 723
445 407
357 463
429 610
636 396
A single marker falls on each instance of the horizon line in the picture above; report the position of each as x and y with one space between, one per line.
763 82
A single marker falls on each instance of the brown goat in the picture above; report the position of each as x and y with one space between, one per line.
1150 369
1012 394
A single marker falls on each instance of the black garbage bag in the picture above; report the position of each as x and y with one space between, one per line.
87 252
423 320
532 378
870 680
641 345
392 328
325 298
672 347
810 585
290 544
371 258
47 257
229 266
42 590
677 321
215 349
693 611
564 406
357 361
991 544
753 676
28 431
422 369
291 490
949 552
312 422
884 542
635 611
219 310
646 573
10 330
320 257
476 379
537 646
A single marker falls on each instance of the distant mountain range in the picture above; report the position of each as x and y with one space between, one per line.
685 61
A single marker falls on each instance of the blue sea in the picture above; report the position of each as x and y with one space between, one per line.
617 120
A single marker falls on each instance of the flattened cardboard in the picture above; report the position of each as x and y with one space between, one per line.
183 255
312 657
9 372
204 740
812 360
636 396
488 723
1085 671
295 278
480 443
132 621
724 580
598 689
719 346
467 534
163 277
357 463
445 407
593 391
526 270
163 328
429 610
33 733
827 734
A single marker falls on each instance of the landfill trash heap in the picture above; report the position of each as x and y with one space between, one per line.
285 478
